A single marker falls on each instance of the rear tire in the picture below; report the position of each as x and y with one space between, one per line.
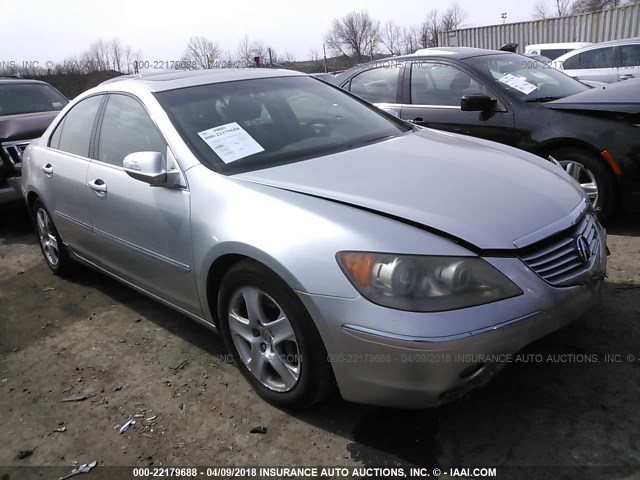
53 250
272 338
594 176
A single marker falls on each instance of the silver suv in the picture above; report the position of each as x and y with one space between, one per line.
607 62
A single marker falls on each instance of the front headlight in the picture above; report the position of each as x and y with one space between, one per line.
425 283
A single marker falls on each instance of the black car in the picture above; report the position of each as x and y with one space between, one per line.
27 107
593 132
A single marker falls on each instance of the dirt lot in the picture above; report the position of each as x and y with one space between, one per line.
132 357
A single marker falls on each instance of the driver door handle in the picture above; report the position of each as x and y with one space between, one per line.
98 186
48 169
626 76
420 121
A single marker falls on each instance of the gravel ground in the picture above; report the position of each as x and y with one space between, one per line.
113 355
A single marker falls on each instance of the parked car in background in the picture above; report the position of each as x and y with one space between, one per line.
515 100
553 50
27 107
329 242
607 62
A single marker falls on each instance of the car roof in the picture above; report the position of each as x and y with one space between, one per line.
173 79
456 53
594 46
15 80
451 52
550 46
616 42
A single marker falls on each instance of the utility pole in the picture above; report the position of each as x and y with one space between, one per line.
270 58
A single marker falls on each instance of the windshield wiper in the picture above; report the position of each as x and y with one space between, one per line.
542 99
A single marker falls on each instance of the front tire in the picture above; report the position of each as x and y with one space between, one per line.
593 176
53 250
272 338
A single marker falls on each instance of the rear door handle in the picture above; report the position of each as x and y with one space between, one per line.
48 169
98 186
626 76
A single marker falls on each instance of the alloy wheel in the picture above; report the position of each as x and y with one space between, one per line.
264 338
46 234
585 178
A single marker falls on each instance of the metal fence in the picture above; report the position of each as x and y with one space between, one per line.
610 24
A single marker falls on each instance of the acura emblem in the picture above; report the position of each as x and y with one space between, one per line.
582 246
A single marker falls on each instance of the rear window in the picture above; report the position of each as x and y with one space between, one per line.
16 98
258 123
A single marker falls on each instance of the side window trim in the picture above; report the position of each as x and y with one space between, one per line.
93 148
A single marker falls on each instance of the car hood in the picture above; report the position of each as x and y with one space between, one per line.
25 126
621 97
480 192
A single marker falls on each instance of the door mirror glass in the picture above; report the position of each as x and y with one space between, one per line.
476 102
148 167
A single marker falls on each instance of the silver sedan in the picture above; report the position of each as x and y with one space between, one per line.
332 245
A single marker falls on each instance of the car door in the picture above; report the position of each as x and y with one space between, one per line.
64 167
144 231
431 98
380 85
596 64
629 61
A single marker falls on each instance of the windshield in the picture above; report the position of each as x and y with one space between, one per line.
258 123
18 98
525 78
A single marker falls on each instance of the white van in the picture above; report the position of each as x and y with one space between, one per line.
553 50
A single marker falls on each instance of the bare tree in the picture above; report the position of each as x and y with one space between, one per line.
431 28
288 58
201 52
409 42
244 51
584 6
390 37
452 18
248 50
116 53
353 35
563 7
541 10
97 58
260 49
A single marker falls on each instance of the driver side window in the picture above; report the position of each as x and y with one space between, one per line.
127 128
438 84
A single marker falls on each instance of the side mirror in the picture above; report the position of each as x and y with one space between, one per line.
148 167
476 102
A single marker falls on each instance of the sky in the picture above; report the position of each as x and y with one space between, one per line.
49 31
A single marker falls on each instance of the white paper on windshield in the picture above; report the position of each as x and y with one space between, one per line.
518 83
231 142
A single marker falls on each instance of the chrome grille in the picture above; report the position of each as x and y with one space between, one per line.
13 152
559 262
